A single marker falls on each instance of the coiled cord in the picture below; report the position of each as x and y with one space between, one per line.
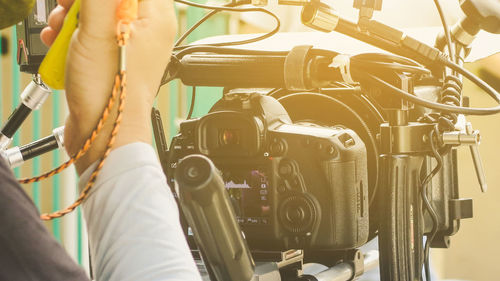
451 94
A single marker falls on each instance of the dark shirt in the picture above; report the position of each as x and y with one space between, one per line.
27 250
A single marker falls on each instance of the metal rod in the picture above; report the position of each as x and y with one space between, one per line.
478 163
345 271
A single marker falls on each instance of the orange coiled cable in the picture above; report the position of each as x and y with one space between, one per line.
87 144
121 80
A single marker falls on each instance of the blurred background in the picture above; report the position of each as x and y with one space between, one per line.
472 255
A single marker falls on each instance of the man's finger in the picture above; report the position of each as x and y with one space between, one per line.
56 18
65 3
48 36
98 17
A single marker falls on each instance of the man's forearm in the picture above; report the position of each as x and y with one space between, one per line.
133 221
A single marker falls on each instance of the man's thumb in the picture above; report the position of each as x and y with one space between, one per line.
98 17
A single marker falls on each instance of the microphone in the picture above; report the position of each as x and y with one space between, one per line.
12 12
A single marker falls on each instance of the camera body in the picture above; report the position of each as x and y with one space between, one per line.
291 185
30 49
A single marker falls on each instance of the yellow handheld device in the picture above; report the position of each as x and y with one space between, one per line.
54 64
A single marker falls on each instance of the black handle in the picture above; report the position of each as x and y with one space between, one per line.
209 213
242 71
303 68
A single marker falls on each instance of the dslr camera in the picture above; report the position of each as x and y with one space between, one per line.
291 185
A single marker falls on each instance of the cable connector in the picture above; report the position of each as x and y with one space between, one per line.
33 96
319 16
16 156
343 63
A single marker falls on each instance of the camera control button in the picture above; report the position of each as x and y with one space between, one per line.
282 188
277 147
286 169
295 215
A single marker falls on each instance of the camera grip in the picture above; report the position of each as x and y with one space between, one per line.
209 213
232 70
401 223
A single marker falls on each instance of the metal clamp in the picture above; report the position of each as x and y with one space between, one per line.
290 257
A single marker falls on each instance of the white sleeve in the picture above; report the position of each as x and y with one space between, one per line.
133 221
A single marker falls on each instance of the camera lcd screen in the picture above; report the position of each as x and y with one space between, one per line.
249 193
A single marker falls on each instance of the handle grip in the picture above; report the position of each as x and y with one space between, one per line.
209 212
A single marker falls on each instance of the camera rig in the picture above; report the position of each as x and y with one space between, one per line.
391 122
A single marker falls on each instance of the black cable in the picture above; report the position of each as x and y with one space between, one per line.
209 7
232 9
382 57
451 47
442 107
437 106
474 79
393 66
195 26
274 91
424 191
191 107
390 61
205 18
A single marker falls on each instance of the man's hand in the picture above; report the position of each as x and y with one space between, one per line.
92 64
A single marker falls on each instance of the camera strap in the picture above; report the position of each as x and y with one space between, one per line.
126 13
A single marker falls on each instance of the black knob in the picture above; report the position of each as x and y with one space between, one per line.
298 213
287 168
278 147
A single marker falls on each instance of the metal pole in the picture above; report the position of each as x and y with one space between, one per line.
345 271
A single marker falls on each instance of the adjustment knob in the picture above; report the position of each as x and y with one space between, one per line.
481 14
278 147
287 168
298 213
